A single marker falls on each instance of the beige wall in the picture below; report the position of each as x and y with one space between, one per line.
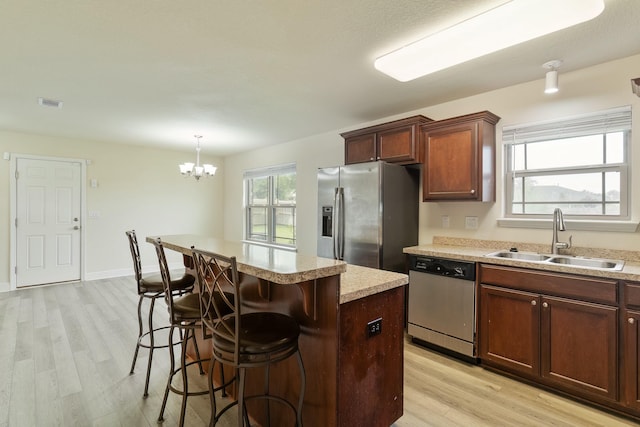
138 188
595 88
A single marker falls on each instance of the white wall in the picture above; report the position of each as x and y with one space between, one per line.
138 188
600 87
309 154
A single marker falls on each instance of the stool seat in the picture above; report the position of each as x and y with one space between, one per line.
262 333
187 308
153 283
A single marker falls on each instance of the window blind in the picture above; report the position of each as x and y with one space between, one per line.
606 121
268 171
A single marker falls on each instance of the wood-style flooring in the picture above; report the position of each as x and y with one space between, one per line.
65 354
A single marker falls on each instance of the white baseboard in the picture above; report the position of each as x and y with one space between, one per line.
5 286
108 274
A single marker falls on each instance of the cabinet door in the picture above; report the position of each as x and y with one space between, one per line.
579 346
509 332
359 149
398 145
451 163
631 371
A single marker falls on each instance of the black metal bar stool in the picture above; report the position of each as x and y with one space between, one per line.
184 315
151 288
249 340
204 281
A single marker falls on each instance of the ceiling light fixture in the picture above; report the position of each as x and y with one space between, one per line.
551 79
509 24
195 170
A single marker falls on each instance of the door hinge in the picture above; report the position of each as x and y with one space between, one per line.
16 221
17 174
15 270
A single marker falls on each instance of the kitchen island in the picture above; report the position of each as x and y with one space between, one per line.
352 331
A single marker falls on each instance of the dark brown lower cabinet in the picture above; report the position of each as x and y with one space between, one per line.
563 331
567 344
579 346
631 350
510 328
632 358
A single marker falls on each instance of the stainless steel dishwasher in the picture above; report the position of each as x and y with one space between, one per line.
441 304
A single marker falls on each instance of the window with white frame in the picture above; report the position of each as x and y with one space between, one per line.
577 164
270 205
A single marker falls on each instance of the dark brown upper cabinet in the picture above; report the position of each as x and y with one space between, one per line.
393 142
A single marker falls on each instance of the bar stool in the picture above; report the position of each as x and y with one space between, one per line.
248 340
204 281
184 314
151 288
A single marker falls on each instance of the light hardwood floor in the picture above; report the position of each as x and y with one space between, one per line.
65 353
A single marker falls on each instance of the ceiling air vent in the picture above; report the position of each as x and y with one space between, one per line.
49 103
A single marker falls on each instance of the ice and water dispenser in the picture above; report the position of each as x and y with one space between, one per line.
327 221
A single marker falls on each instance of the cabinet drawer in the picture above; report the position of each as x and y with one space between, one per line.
570 286
632 295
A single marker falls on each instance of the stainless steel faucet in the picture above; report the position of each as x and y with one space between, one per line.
558 225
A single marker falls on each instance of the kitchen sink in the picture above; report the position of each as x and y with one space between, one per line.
604 264
573 261
524 256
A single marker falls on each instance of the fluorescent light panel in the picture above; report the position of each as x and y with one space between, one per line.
506 25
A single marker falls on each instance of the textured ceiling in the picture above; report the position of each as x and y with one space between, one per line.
244 73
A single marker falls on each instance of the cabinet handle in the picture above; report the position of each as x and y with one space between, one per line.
472 192
631 320
533 302
545 305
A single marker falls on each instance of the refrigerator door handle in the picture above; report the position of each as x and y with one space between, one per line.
341 223
335 221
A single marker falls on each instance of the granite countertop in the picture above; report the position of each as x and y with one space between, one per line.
358 282
288 267
476 251
275 265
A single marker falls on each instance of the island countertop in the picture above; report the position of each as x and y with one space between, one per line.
288 267
275 265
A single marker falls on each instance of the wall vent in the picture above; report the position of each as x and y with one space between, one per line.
49 103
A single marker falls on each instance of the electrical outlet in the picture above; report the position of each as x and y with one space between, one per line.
374 327
471 222
445 221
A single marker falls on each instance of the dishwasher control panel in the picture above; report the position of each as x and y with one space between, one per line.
444 267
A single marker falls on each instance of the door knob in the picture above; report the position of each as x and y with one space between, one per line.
77 227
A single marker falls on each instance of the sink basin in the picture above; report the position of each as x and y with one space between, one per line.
524 256
604 264
573 261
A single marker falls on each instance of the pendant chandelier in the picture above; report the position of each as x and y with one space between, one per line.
195 170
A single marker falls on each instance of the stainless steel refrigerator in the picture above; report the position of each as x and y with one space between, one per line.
367 213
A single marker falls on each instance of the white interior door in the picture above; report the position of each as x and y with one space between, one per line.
48 207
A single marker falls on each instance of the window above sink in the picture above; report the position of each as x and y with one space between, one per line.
579 164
